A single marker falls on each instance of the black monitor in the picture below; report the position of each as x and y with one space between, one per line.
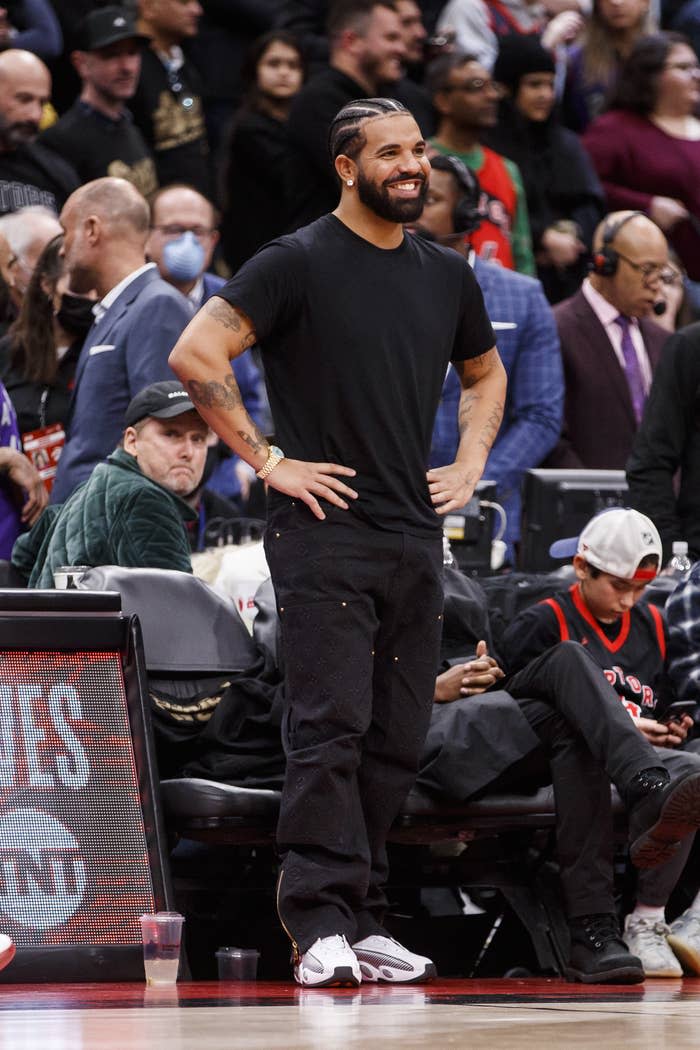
558 503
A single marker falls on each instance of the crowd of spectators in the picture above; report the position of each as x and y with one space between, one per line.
217 116
148 150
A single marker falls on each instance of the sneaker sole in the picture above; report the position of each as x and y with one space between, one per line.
622 975
378 976
7 956
342 977
679 816
687 956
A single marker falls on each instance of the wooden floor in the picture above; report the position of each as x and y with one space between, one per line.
508 1014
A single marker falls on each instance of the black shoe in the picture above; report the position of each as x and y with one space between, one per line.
661 814
598 953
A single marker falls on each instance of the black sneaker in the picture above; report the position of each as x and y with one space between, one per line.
598 953
661 814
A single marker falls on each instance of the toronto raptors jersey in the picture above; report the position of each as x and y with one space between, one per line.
630 652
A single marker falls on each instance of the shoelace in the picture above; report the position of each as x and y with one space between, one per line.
599 930
649 932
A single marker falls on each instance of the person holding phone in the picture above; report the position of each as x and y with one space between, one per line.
615 558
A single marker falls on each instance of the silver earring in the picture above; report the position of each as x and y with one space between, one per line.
350 182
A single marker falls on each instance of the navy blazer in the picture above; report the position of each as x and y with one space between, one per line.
124 351
599 422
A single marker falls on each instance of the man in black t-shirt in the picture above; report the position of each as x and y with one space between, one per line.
98 134
357 323
167 106
29 173
366 50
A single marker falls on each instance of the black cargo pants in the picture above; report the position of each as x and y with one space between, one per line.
361 617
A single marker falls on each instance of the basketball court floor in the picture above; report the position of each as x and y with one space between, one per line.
508 1014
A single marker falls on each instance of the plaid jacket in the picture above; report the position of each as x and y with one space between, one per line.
534 401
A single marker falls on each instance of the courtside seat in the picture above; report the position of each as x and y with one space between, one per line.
205 810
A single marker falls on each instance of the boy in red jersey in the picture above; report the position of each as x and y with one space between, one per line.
616 556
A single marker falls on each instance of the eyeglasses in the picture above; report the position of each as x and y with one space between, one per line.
477 85
651 271
174 230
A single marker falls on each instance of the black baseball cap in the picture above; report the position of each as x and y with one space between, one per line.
159 400
107 25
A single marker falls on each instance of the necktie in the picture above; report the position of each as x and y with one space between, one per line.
633 372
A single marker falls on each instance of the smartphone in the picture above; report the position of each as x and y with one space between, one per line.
681 707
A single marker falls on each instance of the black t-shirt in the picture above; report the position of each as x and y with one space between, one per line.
172 123
630 652
33 175
356 340
98 146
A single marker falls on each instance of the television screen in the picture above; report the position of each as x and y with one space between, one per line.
557 504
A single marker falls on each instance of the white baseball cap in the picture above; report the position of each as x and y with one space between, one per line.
615 541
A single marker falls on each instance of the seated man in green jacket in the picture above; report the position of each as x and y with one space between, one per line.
132 510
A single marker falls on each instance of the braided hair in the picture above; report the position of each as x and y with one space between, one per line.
345 134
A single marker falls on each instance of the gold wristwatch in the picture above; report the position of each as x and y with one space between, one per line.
273 458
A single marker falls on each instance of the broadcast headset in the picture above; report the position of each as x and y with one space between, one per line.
606 260
466 216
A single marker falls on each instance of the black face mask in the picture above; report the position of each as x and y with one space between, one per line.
75 314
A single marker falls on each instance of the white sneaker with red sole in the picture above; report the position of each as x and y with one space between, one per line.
7 951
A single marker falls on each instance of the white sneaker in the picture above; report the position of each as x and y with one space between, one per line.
329 961
384 959
7 950
684 938
646 938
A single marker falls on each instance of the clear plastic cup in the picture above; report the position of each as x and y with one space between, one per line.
161 935
237 964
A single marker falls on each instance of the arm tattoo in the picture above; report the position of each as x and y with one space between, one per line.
256 442
224 313
216 395
490 428
466 404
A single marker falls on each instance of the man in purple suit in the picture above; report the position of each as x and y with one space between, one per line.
610 346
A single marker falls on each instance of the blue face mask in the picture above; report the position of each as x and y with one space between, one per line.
183 258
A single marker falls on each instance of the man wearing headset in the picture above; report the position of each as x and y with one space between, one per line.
526 337
609 343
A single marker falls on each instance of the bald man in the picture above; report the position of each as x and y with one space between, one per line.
138 320
30 174
609 343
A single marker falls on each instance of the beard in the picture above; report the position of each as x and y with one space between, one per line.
393 209
18 134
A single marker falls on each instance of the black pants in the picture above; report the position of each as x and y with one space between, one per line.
588 739
361 617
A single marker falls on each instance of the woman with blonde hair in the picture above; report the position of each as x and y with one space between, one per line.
594 62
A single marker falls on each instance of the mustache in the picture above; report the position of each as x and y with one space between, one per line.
417 177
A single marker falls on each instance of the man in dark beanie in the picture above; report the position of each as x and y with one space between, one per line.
564 198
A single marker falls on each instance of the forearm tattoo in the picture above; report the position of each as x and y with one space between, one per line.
213 394
466 407
256 441
490 427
